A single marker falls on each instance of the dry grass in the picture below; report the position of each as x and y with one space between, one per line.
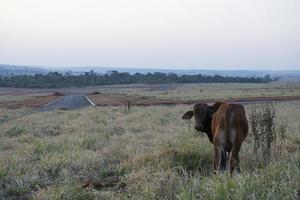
205 90
146 93
50 155
17 97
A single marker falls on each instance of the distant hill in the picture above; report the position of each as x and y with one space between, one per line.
9 70
233 73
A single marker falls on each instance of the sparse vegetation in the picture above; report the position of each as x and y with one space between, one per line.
268 134
145 94
144 153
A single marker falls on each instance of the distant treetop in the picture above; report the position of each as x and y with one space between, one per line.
57 80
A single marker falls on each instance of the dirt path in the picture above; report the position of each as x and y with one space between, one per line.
69 102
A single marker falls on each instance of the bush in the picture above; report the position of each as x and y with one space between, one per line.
46 131
95 93
268 141
58 94
15 131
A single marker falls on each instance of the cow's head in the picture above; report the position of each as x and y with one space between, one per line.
202 114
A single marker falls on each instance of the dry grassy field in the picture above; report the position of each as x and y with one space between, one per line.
201 91
144 153
142 94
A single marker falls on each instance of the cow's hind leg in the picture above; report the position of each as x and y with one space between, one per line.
238 169
234 158
217 160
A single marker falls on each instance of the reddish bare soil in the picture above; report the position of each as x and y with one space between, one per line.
35 102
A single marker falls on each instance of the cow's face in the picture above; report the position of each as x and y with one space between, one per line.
202 115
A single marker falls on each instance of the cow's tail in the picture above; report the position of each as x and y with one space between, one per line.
227 140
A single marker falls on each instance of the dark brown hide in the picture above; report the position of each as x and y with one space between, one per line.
226 126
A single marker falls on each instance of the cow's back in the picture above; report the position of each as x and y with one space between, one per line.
238 123
229 125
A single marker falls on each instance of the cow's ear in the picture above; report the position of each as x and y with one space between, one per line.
188 115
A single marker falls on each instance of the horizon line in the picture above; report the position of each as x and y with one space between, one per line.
144 68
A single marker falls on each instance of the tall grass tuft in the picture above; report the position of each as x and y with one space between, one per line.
268 136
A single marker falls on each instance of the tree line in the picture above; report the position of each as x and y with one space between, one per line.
57 80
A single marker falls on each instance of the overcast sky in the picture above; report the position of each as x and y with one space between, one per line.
195 34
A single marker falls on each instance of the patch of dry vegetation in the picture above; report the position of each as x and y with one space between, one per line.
143 153
202 91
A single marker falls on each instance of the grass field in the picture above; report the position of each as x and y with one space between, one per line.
199 91
145 153
147 94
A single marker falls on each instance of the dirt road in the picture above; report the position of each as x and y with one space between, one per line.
67 102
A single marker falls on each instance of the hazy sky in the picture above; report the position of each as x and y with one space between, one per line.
204 34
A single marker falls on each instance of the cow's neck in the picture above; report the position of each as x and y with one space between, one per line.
208 130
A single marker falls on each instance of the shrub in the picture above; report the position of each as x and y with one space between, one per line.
116 130
268 141
58 94
47 131
15 131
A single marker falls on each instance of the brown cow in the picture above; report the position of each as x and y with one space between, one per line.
226 126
